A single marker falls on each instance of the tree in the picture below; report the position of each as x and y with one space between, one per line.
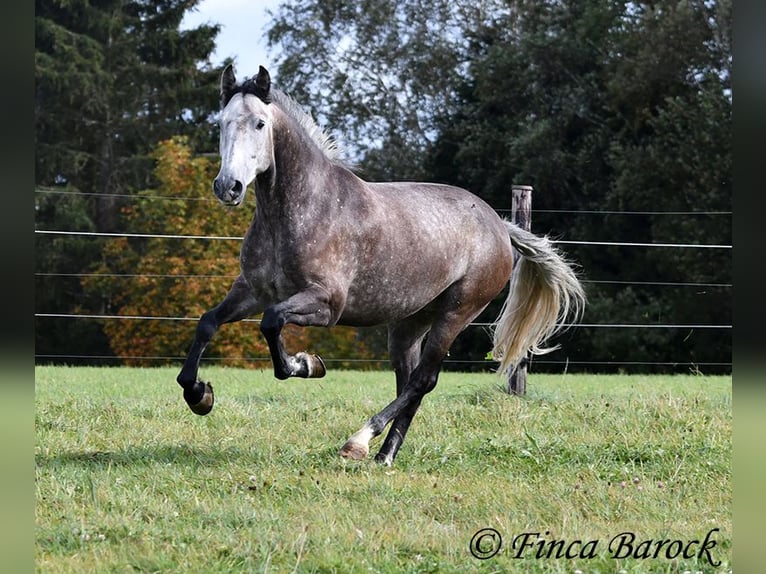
112 78
600 105
673 153
380 72
171 277
603 106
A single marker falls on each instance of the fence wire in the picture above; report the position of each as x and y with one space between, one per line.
381 361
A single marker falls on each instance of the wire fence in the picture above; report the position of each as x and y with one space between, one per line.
69 316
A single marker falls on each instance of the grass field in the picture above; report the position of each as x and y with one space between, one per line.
129 480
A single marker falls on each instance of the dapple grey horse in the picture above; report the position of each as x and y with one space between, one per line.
327 248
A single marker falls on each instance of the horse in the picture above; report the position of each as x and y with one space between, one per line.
327 248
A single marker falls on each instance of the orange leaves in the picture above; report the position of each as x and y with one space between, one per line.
171 277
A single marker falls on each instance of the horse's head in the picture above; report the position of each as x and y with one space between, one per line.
246 134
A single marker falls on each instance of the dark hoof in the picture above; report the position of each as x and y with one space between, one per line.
317 369
200 398
313 366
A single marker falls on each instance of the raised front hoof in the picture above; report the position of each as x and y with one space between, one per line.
312 366
200 398
301 365
354 451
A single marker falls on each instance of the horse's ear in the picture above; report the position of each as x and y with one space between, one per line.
228 83
263 84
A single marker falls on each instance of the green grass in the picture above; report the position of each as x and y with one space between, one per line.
129 480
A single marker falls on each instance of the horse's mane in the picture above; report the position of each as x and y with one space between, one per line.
322 139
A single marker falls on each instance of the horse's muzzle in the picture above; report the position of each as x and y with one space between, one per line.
228 190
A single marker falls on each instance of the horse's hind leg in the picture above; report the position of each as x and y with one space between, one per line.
422 381
455 308
238 304
404 342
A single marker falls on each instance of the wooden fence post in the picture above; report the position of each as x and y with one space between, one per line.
521 215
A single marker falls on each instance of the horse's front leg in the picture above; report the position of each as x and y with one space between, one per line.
314 307
238 304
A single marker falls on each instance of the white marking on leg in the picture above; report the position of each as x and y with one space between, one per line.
387 460
357 446
362 436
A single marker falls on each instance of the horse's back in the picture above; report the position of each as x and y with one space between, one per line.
435 195
438 205
445 217
422 239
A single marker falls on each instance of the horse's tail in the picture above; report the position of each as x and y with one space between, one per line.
544 291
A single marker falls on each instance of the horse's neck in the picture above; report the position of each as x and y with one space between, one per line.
300 168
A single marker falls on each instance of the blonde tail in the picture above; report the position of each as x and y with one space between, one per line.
544 291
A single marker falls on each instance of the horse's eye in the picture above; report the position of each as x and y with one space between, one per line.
259 124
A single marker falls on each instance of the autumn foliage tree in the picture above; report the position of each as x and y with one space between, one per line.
174 276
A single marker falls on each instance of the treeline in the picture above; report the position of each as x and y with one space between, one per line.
612 111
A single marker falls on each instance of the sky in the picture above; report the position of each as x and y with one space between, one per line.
243 32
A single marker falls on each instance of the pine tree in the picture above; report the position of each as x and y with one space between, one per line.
112 78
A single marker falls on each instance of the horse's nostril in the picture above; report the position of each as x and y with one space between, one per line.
221 185
227 188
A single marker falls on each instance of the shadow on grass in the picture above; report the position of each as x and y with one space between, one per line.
189 456
147 456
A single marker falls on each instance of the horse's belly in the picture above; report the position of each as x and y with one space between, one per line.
378 304
391 295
